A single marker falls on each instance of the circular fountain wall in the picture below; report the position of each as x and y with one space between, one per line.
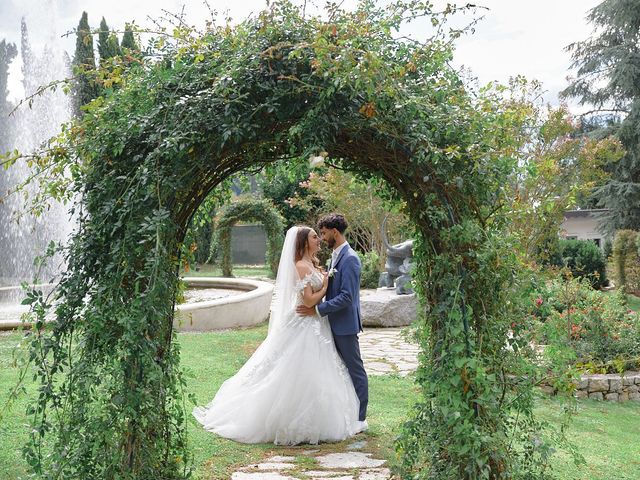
246 303
211 304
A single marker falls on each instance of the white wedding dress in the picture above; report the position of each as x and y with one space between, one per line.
294 389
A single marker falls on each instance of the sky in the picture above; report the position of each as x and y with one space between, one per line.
515 37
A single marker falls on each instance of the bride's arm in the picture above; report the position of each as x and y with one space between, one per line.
309 298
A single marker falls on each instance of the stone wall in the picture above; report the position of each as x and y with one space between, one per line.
248 244
611 387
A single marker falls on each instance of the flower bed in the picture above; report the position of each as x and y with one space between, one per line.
584 328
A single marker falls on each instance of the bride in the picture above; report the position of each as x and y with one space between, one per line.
295 388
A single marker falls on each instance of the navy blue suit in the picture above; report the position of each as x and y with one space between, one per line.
342 306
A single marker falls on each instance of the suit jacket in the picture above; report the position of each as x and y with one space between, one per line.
342 301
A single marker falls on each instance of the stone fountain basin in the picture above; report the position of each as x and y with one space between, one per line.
235 302
249 305
14 294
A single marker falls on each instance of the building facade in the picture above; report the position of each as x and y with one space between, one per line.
584 225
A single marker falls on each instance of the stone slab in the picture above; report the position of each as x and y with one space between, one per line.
598 385
377 474
341 477
385 308
275 466
326 474
260 476
280 459
359 445
349 460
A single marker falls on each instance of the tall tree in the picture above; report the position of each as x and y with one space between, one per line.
8 51
84 62
108 45
28 60
608 78
128 39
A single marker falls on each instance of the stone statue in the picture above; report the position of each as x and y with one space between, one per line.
398 265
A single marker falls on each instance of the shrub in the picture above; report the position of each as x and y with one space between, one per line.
608 248
585 328
370 273
626 261
584 259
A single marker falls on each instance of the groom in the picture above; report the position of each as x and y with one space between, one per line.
342 305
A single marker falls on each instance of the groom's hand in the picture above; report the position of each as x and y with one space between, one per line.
305 311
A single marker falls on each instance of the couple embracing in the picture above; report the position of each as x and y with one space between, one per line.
306 382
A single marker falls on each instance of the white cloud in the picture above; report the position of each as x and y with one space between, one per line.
527 38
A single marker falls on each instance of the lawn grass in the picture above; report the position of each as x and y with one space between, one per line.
633 302
605 433
210 358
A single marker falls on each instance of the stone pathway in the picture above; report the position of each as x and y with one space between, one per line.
349 465
385 351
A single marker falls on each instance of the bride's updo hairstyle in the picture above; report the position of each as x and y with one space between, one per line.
302 240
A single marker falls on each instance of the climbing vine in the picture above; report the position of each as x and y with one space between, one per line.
278 87
249 209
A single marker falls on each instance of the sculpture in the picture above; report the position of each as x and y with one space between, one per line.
398 265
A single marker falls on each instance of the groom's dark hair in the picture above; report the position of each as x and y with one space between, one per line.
333 220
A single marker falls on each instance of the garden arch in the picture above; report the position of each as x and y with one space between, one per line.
249 209
278 88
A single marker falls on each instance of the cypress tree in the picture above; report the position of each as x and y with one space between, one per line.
8 52
108 45
28 60
84 63
128 40
608 78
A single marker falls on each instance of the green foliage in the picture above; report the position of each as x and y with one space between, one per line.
370 272
610 448
364 208
108 45
8 51
584 328
279 183
558 168
84 63
626 261
249 209
608 78
278 87
499 390
129 44
584 259
202 226
608 248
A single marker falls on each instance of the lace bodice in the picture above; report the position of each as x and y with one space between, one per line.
314 278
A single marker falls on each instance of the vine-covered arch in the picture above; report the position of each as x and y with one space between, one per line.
249 209
280 87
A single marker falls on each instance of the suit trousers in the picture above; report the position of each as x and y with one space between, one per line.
349 349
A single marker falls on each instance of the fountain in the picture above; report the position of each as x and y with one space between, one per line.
23 236
219 303
212 303
21 241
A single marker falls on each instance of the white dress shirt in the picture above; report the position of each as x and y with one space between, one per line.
334 257
336 252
